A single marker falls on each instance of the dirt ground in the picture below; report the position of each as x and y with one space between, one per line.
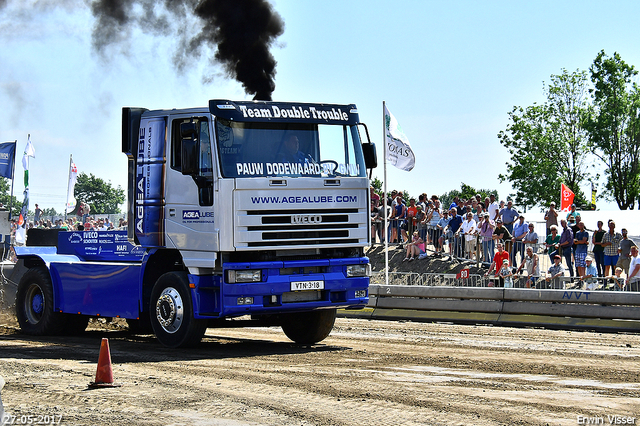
365 373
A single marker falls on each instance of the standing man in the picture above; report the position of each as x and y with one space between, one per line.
624 252
566 241
468 228
493 209
454 224
633 279
36 217
611 243
509 216
502 234
581 243
520 231
551 217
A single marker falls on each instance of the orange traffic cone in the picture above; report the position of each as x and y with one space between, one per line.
104 375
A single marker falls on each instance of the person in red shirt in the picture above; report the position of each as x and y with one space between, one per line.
498 260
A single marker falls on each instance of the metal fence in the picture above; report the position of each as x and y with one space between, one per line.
520 281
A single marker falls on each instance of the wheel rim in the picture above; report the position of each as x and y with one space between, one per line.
34 303
170 310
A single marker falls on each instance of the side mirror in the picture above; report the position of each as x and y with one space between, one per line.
188 130
370 155
189 157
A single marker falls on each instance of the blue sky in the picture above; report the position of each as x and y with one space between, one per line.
449 71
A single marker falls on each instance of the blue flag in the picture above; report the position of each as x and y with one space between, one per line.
7 159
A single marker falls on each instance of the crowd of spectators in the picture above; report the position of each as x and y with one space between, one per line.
509 244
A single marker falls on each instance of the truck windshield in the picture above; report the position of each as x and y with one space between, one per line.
254 149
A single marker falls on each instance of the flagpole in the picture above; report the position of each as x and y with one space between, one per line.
68 179
13 175
384 231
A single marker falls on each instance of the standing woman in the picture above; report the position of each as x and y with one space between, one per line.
598 249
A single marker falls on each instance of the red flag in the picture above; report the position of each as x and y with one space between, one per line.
463 274
566 198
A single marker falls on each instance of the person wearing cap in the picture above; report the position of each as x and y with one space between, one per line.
500 233
581 244
633 279
572 212
551 217
520 230
611 242
506 275
555 272
486 233
589 275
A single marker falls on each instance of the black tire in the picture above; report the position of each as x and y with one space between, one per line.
34 304
140 326
76 324
171 312
309 327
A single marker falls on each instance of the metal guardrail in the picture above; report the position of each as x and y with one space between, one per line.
476 280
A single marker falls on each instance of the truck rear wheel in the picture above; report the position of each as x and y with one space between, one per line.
171 312
34 304
309 327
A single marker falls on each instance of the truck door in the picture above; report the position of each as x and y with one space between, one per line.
190 221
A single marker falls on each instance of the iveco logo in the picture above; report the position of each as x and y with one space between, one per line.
305 218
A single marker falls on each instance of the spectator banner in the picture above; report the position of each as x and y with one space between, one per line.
399 152
566 198
7 159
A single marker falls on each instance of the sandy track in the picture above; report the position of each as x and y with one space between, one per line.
365 373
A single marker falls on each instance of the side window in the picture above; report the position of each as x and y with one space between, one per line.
202 173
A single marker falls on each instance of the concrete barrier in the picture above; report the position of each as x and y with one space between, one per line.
579 309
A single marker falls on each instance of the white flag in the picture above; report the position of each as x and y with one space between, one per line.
399 152
73 177
29 151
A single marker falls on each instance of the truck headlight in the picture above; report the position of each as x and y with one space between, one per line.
359 270
244 276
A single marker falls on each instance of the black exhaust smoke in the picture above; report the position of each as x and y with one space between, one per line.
240 31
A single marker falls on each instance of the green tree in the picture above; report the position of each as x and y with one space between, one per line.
614 126
101 196
6 200
465 192
547 143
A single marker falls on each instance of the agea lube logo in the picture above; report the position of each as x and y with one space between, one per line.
195 215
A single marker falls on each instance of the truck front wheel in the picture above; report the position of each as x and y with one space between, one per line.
34 304
171 312
309 327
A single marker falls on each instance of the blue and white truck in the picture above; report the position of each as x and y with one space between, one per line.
249 208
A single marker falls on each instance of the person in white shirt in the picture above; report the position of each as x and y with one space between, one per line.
633 280
468 228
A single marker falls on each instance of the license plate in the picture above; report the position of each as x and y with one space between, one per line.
307 285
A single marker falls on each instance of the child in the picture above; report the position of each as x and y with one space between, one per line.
506 274
618 281
414 248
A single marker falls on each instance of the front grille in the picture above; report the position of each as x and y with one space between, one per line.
300 228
